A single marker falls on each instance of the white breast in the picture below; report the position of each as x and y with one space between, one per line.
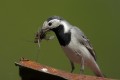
72 55
74 51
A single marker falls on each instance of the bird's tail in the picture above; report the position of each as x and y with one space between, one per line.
96 69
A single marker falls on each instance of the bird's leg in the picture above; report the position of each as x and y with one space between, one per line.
82 66
72 66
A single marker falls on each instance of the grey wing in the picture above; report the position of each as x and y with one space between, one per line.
83 40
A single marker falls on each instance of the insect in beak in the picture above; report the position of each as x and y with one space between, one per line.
40 35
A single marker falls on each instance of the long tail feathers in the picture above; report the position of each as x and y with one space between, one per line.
97 70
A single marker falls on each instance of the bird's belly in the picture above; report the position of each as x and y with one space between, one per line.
72 55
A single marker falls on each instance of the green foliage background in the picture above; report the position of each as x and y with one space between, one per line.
20 19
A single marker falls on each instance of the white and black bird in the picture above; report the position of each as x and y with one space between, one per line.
75 44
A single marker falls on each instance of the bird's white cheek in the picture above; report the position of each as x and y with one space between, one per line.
56 24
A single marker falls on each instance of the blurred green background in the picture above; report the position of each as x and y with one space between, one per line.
20 19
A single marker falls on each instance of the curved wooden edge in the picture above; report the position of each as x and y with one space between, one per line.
31 70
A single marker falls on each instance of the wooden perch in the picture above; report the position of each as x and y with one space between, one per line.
30 70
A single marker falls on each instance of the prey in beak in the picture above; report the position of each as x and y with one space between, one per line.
40 35
47 26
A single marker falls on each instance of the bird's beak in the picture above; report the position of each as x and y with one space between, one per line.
41 34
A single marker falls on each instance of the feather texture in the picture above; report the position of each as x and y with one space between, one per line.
83 40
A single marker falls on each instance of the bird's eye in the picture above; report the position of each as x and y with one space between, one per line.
50 24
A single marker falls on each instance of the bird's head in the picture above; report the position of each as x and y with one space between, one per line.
48 25
51 23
